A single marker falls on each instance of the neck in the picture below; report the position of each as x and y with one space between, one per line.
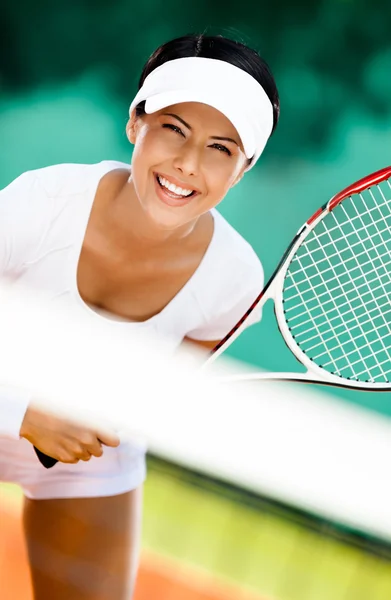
130 222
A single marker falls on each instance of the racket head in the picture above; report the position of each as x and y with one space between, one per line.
332 292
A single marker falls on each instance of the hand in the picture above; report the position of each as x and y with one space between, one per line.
63 439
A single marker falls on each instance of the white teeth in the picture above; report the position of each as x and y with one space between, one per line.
174 188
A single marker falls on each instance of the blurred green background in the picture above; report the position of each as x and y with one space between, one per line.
69 71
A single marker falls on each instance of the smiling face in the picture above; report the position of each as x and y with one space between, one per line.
186 158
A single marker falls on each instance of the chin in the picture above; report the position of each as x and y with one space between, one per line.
167 220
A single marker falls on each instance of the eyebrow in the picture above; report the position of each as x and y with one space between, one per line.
225 139
214 137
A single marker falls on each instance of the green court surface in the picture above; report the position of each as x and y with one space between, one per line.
281 554
277 552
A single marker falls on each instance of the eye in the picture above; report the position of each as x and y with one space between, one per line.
173 128
222 148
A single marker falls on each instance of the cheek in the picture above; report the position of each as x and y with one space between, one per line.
147 153
143 147
221 176
153 146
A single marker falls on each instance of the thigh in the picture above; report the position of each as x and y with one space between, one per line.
84 548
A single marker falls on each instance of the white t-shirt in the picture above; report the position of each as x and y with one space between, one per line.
43 220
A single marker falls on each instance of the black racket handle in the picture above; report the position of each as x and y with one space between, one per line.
47 461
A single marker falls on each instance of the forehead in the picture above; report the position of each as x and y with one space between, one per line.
199 115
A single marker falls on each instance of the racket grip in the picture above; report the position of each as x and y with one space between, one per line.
47 461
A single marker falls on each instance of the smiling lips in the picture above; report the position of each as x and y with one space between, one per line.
172 194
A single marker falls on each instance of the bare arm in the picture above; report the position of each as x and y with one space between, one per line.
202 345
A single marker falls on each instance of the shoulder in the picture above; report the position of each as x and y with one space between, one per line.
239 246
56 179
32 203
238 262
61 179
28 200
39 193
230 278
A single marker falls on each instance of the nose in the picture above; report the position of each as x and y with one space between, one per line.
187 162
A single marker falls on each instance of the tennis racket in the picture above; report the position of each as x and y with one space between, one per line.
332 292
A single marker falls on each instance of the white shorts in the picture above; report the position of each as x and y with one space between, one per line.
119 470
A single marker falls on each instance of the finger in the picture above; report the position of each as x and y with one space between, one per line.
82 452
95 449
109 438
69 460
85 456
69 455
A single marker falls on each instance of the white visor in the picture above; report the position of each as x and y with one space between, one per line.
228 89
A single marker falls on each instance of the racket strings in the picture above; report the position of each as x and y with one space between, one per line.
337 291
340 326
352 258
353 280
374 269
347 355
371 261
350 338
363 347
368 313
344 304
339 313
356 230
315 323
370 290
365 334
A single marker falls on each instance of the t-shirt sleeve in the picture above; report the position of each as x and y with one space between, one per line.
23 214
19 232
236 286
13 406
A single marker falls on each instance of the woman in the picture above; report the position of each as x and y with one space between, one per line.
146 246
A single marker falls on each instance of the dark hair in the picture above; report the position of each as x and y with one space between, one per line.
220 48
